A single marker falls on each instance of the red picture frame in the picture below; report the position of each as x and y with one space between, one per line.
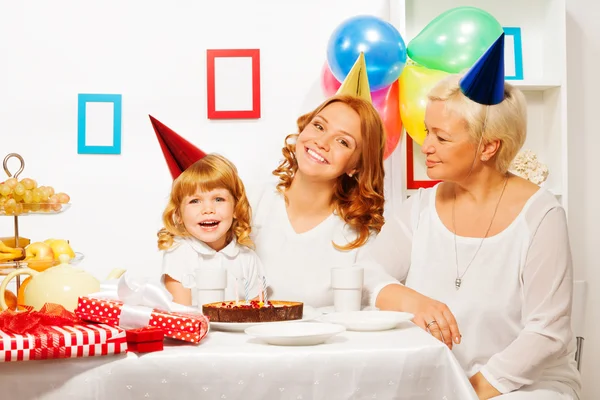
212 112
411 182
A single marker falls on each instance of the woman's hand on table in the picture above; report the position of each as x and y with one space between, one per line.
433 316
436 318
482 387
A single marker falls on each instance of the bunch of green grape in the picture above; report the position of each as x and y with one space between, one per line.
18 197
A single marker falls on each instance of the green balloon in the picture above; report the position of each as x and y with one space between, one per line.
454 40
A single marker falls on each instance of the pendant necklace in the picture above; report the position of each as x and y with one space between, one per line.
459 277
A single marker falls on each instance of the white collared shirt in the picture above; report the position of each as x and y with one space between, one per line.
188 254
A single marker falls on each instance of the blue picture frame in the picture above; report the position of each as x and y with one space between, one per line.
515 32
82 100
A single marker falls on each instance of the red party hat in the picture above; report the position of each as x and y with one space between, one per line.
178 152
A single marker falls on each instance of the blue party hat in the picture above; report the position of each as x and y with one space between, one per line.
484 82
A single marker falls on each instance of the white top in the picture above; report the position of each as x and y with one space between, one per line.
182 261
514 306
299 265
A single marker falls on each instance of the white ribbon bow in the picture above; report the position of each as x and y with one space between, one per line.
139 297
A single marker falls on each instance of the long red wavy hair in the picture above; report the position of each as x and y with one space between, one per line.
358 200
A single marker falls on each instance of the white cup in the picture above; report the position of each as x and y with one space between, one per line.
210 285
347 286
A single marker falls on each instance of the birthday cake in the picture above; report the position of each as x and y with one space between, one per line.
253 311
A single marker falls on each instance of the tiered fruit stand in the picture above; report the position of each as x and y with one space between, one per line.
22 208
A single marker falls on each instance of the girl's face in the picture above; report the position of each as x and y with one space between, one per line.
330 144
208 216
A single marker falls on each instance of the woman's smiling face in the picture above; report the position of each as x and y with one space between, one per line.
330 145
448 145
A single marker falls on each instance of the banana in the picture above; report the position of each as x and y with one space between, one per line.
6 257
6 249
11 254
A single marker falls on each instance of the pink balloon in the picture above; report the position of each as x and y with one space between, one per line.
389 110
329 84
378 96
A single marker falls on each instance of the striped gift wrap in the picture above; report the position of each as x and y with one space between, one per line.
84 340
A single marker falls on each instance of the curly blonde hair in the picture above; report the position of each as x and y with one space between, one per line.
358 200
211 172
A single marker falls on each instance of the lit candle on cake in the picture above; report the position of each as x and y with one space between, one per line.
264 286
237 297
246 288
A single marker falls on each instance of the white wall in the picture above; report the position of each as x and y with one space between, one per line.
583 56
154 54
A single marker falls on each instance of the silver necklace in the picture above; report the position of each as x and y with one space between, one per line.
459 277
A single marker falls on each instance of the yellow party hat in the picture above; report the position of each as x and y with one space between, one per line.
356 82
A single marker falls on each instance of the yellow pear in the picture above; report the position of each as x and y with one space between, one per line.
61 246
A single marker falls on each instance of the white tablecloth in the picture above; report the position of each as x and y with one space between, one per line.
404 363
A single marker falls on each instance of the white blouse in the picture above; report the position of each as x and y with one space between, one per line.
298 265
514 305
188 254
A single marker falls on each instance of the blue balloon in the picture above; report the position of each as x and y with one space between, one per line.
382 44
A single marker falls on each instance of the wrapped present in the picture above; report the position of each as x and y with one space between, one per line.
145 340
146 334
29 336
189 327
131 305
145 347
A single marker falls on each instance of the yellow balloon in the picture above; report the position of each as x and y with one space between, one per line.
415 83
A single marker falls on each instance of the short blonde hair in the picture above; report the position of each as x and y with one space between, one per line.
506 121
211 172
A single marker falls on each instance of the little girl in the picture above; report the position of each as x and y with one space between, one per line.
207 225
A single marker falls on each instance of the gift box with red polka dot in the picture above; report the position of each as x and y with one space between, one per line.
188 327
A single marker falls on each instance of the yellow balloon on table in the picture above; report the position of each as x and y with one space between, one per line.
415 83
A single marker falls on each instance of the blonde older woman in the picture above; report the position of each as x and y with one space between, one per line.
492 247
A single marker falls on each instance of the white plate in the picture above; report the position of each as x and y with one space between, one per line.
331 309
308 314
367 320
295 334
